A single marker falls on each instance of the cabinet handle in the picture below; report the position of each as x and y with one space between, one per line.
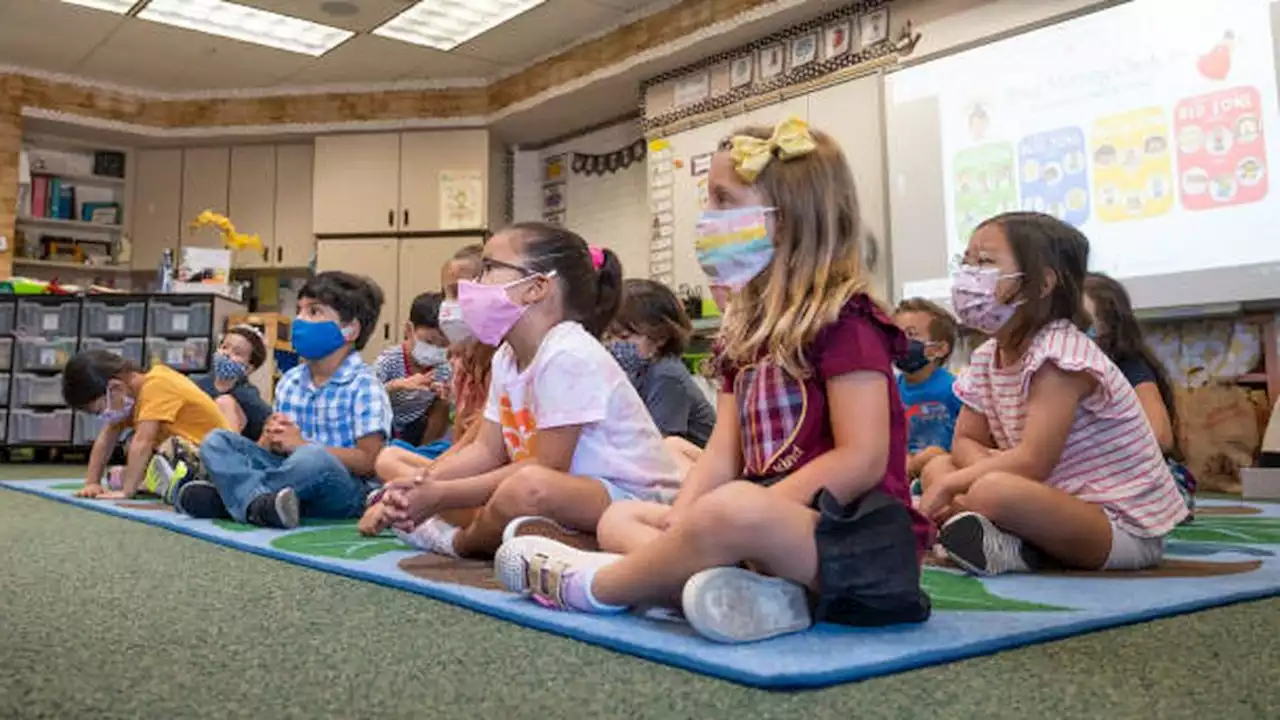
386 331
264 254
279 254
406 218
391 218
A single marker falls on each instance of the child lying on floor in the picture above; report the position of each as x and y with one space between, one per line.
804 479
565 434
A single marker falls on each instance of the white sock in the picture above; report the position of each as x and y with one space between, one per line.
435 535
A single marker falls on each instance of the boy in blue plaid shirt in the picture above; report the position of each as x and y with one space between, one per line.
332 417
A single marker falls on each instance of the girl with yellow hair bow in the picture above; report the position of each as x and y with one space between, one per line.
798 510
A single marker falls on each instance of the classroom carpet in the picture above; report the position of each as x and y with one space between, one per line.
1224 557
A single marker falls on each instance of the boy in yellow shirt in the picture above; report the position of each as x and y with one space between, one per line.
168 413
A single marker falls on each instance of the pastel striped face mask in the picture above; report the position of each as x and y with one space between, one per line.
734 246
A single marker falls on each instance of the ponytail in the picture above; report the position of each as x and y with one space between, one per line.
608 294
590 279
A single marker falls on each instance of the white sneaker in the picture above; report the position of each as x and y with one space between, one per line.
733 605
433 536
975 543
535 525
532 564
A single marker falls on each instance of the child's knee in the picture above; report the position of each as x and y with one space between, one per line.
990 494
732 514
936 468
620 518
314 458
528 491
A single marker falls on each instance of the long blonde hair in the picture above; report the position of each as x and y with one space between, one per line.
818 263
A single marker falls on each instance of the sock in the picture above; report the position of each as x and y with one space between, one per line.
434 535
578 595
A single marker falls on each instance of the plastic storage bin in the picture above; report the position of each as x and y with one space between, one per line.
87 428
6 353
34 426
4 392
6 319
4 423
189 354
170 320
130 349
37 390
41 354
104 320
48 319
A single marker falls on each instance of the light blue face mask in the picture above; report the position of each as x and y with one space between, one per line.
1092 332
734 246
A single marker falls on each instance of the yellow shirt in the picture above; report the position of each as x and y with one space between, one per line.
181 408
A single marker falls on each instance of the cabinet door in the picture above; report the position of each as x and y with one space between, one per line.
420 262
443 180
157 206
206 178
252 201
375 259
357 184
295 242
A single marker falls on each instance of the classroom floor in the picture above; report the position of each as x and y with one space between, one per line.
105 618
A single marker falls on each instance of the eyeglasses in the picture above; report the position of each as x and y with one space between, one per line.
487 264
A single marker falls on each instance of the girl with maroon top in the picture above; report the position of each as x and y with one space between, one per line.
798 511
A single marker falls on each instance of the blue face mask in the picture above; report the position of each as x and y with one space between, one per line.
227 368
915 360
628 356
1092 332
318 339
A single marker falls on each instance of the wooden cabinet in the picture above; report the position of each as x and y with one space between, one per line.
427 156
367 184
157 203
294 241
420 261
206 174
357 184
252 201
375 258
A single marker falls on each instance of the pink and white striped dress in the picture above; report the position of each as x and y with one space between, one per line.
1111 457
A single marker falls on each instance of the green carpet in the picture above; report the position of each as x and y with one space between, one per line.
105 618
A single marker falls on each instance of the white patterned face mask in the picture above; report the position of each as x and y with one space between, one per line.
734 246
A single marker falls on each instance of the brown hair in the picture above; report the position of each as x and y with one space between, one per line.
591 295
1043 244
1121 338
819 260
942 326
650 309
257 348
470 386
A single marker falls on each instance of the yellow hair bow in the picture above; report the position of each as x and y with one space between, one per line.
751 155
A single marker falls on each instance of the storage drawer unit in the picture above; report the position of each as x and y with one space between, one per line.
37 391
34 353
180 320
130 349
4 392
102 319
6 317
6 353
4 423
48 318
189 354
37 427
87 428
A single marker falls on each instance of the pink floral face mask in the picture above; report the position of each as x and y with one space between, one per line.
974 297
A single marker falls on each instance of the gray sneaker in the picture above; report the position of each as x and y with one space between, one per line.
734 605
975 543
275 510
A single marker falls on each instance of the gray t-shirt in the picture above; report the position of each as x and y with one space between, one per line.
676 403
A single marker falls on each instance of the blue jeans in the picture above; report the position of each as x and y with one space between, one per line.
242 471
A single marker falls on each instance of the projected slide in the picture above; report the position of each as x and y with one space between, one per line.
1146 125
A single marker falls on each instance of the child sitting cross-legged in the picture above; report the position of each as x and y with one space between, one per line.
798 510
168 414
925 383
564 434
332 416
1053 461
409 371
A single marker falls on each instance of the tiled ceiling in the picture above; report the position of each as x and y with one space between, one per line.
59 37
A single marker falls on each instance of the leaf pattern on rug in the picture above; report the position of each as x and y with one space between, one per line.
343 543
954 591
1236 530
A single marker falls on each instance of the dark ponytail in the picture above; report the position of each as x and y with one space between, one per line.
591 296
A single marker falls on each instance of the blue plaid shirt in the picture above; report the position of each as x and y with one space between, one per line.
352 405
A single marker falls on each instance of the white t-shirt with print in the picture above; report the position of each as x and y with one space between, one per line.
573 380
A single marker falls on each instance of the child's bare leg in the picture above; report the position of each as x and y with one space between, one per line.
630 524
1072 531
734 523
685 453
396 464
373 521
575 502
938 467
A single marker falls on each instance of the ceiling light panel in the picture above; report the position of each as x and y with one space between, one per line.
115 6
249 24
446 24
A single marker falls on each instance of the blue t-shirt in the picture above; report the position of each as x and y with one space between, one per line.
932 408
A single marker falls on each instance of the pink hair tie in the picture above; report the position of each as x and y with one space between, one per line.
597 256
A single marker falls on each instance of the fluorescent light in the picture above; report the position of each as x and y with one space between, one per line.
446 24
241 22
115 6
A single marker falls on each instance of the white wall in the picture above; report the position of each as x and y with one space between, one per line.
609 210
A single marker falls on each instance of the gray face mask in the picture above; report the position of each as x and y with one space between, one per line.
424 353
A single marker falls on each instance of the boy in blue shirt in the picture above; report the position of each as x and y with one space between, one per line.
925 383
332 417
